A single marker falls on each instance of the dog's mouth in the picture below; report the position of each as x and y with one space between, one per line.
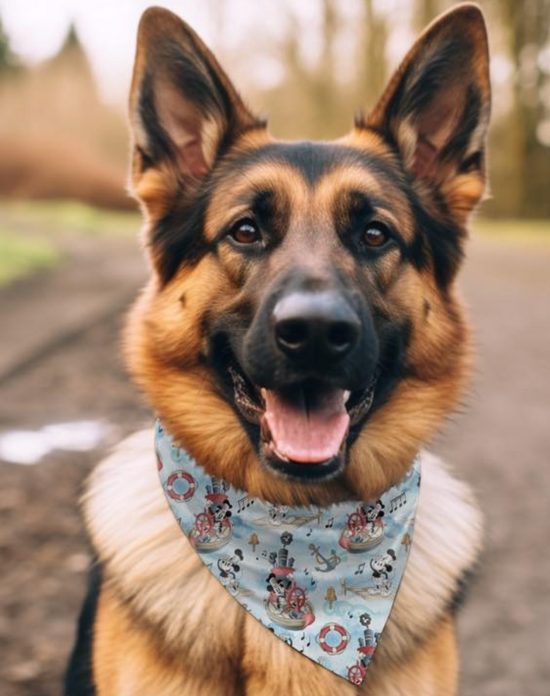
304 427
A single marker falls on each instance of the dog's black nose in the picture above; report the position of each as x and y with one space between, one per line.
317 326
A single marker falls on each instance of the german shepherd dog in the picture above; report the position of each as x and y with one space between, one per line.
286 279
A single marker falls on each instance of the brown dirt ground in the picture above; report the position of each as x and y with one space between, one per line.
500 445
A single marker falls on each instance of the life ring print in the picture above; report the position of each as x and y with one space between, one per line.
333 638
181 486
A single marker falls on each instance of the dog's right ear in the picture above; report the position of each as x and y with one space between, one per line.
184 111
435 111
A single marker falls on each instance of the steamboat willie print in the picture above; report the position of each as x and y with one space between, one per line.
213 529
364 528
286 603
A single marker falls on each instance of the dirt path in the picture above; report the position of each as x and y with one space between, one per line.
501 445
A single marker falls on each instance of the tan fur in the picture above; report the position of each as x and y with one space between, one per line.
141 668
269 668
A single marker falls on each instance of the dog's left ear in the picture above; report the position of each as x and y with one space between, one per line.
184 110
436 109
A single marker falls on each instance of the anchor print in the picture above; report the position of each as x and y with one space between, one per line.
329 562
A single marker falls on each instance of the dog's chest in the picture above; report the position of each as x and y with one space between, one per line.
163 580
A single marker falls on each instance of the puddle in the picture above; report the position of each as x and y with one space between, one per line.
28 447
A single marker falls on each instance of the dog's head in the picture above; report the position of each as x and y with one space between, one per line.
301 334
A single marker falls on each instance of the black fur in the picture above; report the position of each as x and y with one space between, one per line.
462 590
79 676
312 159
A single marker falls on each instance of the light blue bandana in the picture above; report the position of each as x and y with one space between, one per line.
324 580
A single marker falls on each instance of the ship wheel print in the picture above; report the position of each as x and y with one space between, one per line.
356 522
203 523
356 675
296 598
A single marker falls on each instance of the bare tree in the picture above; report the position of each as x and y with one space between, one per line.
527 27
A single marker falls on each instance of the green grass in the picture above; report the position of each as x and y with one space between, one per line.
33 233
69 218
19 257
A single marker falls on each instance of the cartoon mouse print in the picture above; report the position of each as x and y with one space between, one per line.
286 602
374 514
220 511
382 570
277 514
229 570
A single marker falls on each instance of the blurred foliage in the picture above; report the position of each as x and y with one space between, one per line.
522 231
58 219
8 60
320 100
58 139
316 100
36 234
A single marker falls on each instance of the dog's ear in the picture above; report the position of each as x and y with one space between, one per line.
184 111
435 110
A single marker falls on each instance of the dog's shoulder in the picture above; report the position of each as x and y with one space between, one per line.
138 541
147 562
447 541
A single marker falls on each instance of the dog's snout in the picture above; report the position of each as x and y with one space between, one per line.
317 326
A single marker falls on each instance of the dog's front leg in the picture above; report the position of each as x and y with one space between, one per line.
273 668
431 669
128 660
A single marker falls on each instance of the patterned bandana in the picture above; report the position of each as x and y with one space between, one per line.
324 580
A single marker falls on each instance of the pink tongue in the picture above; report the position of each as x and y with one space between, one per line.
308 433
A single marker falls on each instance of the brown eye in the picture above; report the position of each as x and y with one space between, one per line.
245 232
376 235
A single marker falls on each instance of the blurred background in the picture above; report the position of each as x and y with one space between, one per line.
70 264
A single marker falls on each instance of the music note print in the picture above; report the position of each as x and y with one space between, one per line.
360 569
330 523
398 501
244 503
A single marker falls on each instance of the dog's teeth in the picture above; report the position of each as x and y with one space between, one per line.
347 394
264 431
280 455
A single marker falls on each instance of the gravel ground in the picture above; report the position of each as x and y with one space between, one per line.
500 445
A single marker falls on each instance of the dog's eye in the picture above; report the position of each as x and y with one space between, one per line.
375 235
245 232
